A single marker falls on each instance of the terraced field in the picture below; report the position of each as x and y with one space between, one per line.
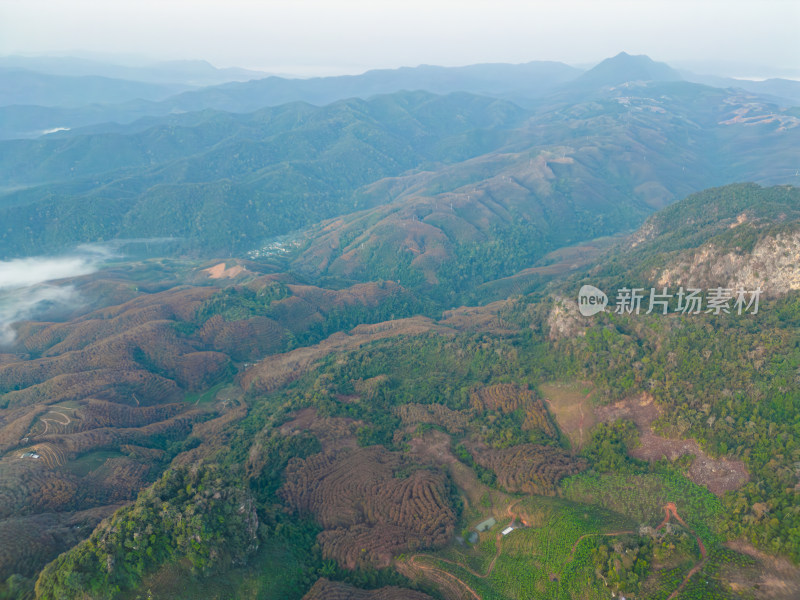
368 513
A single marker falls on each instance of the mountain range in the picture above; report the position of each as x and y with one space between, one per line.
444 174
323 338
523 84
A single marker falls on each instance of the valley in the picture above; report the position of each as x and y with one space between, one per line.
327 345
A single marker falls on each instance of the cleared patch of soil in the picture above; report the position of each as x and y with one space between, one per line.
433 447
719 475
221 272
570 403
778 578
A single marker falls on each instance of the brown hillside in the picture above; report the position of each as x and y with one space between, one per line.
324 589
529 468
507 398
280 369
368 513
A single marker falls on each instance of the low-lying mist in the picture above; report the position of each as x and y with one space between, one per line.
30 287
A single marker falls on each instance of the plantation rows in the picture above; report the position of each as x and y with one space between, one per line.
454 421
529 468
115 385
73 445
97 413
27 543
297 314
154 343
190 369
247 339
29 486
324 589
641 497
707 583
551 558
32 486
15 424
369 513
507 398
56 338
67 337
93 414
117 480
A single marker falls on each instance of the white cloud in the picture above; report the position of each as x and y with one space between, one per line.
25 303
25 272
30 288
27 291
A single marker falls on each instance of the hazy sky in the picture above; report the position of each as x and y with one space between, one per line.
329 36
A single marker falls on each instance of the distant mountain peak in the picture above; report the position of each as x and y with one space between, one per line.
626 67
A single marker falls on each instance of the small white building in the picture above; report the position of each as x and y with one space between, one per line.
507 530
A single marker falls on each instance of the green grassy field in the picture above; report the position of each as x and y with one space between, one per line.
89 462
550 559
641 498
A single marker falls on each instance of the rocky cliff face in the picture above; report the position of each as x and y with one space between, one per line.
565 320
773 266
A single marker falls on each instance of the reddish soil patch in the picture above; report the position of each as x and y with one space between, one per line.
671 510
221 272
718 475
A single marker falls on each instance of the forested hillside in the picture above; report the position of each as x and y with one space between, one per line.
493 332
469 171
654 454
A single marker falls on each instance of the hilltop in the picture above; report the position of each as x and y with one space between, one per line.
447 418
336 350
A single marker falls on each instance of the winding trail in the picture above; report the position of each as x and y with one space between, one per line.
47 419
671 509
489 569
498 544
440 572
